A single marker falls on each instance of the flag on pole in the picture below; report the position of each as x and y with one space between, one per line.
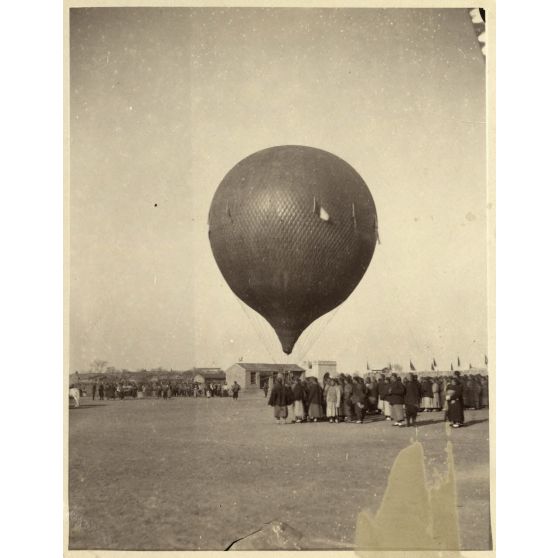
485 360
367 366
432 367
434 362
412 366
452 366
470 366
458 362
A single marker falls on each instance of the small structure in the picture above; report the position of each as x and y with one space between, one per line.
208 375
319 368
254 375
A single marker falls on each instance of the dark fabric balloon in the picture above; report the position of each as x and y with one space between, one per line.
293 230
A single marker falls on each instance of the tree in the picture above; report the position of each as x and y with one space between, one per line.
98 366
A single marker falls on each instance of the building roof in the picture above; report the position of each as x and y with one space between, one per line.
263 367
210 373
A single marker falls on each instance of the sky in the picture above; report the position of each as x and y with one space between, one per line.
165 101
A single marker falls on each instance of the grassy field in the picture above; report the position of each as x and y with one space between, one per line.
198 474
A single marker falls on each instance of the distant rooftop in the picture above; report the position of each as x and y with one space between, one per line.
209 373
265 367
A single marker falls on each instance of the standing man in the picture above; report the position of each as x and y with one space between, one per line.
396 397
93 390
427 394
412 399
235 389
454 396
279 399
382 395
347 399
358 398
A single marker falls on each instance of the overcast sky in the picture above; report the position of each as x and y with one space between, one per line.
163 102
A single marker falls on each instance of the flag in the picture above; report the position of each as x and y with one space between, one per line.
470 366
452 366
458 362
412 366
434 362
485 359
367 366
432 367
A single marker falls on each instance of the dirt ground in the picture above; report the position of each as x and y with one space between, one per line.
192 473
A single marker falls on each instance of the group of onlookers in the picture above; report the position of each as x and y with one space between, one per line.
347 398
161 390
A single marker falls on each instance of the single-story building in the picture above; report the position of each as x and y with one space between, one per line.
254 375
208 375
321 368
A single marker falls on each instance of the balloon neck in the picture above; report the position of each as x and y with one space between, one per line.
288 338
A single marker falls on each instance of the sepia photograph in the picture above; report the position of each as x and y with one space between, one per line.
279 262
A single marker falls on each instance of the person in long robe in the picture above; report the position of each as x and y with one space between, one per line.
298 397
372 395
412 400
314 400
358 398
467 384
279 399
347 399
341 385
436 404
325 387
454 397
290 398
383 386
333 397
396 398
427 395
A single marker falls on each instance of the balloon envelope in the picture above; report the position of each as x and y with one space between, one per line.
293 230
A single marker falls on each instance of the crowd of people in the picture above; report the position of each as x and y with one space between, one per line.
103 390
347 398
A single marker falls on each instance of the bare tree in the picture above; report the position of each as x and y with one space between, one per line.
98 366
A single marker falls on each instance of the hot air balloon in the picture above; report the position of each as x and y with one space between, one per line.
293 230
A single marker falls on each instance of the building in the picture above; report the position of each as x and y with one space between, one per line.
319 368
255 375
207 375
